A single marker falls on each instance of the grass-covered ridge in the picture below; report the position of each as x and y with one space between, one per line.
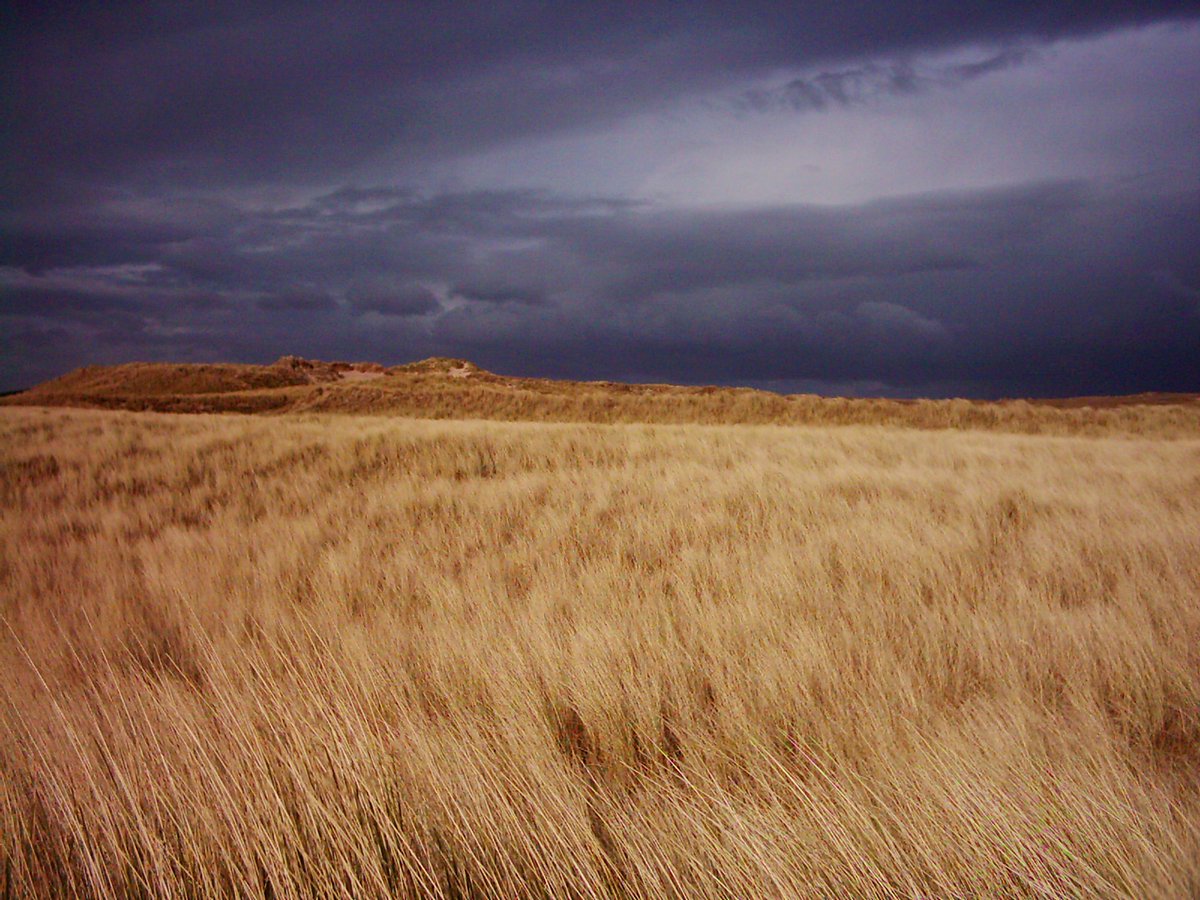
442 388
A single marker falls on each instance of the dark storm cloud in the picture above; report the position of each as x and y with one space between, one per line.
185 181
298 300
672 253
80 235
60 303
873 81
188 93
1021 310
390 299
997 62
498 293
1054 288
840 88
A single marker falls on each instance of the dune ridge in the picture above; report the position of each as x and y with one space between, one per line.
448 388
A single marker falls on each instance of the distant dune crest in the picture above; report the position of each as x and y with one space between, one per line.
450 388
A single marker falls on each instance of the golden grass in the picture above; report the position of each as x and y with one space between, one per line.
442 388
336 656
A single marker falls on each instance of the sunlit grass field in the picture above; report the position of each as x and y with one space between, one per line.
350 656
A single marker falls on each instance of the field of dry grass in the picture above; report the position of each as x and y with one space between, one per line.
363 656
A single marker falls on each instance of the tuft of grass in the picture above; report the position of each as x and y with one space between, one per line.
318 655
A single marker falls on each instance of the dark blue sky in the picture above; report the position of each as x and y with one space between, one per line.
932 198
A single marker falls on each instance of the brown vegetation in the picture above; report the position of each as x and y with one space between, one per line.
347 656
454 389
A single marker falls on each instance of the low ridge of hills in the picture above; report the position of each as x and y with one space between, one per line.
442 387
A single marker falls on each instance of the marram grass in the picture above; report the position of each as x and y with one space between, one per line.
333 656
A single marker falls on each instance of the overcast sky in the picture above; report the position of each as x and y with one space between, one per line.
861 198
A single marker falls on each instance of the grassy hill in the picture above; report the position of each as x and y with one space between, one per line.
441 388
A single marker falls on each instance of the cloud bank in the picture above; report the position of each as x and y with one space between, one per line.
940 199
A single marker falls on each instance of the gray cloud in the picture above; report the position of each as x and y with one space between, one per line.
1052 288
389 299
892 319
203 181
60 303
846 87
864 84
1006 58
252 91
498 293
298 300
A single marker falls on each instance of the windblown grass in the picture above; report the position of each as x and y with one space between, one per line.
337 656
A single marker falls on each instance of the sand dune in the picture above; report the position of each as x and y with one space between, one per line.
442 388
